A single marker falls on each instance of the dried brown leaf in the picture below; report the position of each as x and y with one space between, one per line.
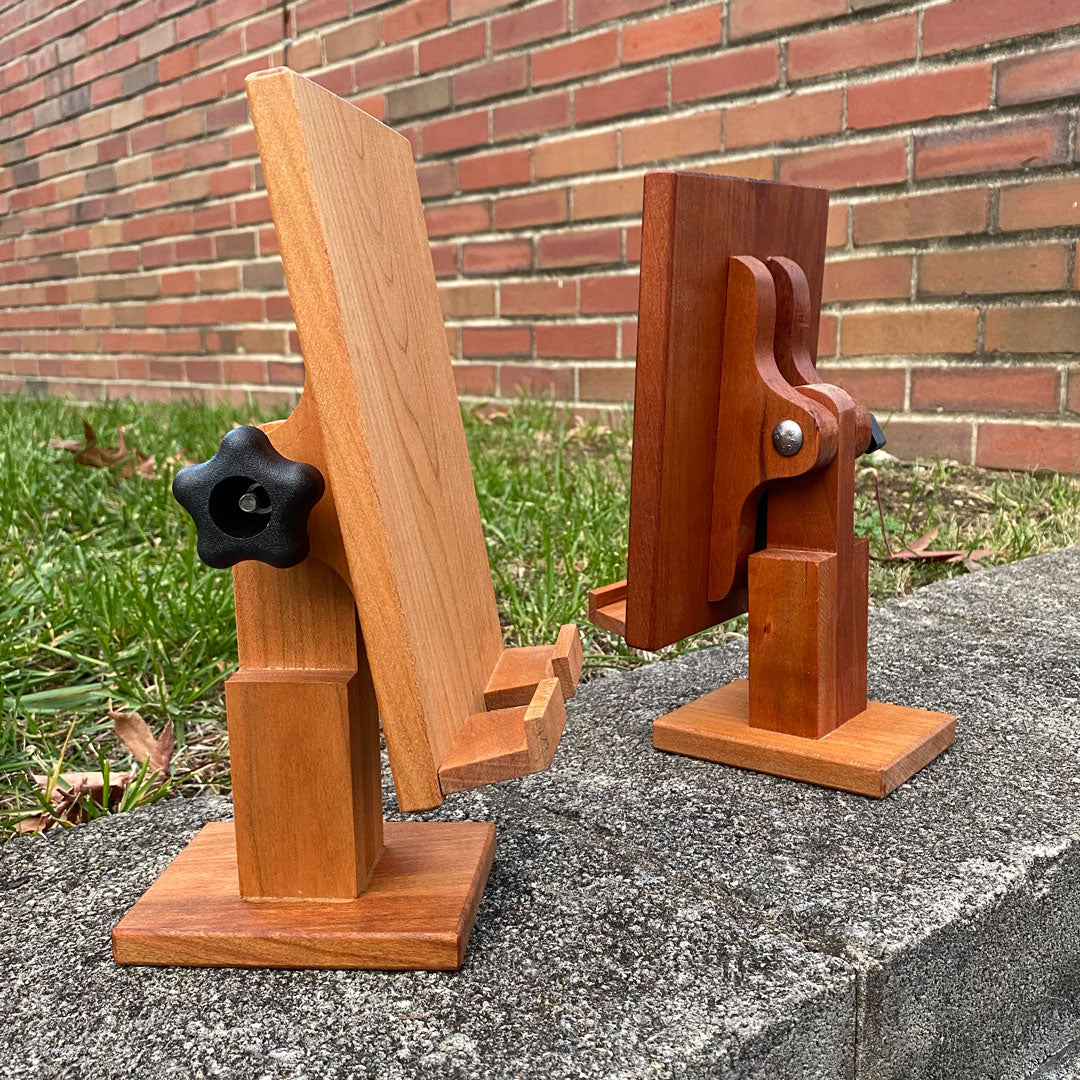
126 461
66 794
134 732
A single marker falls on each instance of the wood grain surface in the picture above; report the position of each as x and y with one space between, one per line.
691 226
872 754
350 226
416 913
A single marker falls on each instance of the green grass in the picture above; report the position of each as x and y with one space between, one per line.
104 604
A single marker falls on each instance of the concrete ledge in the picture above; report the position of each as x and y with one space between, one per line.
650 915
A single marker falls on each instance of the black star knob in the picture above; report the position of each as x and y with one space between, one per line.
877 436
249 502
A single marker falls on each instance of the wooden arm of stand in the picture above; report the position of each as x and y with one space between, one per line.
380 419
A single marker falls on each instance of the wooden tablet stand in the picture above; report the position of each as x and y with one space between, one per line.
392 614
742 492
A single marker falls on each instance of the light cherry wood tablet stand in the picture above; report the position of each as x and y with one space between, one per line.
391 616
723 519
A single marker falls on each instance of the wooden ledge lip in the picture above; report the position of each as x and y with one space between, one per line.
504 744
520 671
607 607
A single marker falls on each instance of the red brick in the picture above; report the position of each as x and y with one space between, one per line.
468 300
618 97
542 297
496 341
836 233
682 31
458 218
1014 144
902 332
412 19
435 178
792 117
609 294
1072 401
875 387
533 208
657 140
914 217
576 58
476 379
590 12
577 154
600 382
851 47
386 67
962 24
875 277
576 340
454 132
619 197
1028 446
452 48
1035 329
460 10
1041 205
919 97
857 165
985 389
352 39
496 256
317 12
727 72
912 438
491 80
515 380
579 248
524 25
530 116
1030 268
759 16
1039 76
504 168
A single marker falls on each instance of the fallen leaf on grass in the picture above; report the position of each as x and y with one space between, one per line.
134 732
125 461
920 548
66 795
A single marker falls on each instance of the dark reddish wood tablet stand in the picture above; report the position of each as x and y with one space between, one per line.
742 492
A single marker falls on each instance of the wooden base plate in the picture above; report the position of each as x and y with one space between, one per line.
872 754
416 913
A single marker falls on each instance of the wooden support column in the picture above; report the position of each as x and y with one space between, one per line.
304 737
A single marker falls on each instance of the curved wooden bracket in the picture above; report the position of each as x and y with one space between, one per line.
754 398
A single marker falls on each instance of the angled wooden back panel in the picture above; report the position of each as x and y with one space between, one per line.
350 226
691 225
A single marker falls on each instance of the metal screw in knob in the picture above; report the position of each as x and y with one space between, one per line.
787 438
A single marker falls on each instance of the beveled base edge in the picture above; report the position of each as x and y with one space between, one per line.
416 913
872 754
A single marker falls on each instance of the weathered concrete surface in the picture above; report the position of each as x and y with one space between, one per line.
654 916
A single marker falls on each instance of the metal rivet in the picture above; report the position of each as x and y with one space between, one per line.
787 438
248 503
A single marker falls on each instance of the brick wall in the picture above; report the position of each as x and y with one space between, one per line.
137 255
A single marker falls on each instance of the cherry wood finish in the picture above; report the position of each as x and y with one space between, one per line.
691 226
722 358
391 618
754 397
417 910
872 754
